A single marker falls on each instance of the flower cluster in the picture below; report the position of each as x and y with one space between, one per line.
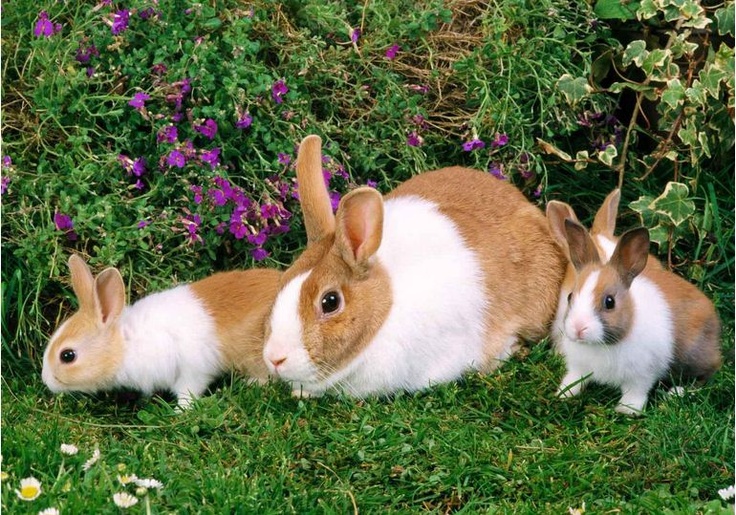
604 129
45 27
65 224
7 166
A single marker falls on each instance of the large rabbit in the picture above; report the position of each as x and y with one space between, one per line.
442 277
178 339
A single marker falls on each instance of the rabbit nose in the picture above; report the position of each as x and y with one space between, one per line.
277 362
580 331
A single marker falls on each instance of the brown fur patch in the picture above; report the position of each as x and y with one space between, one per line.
335 340
616 321
697 327
239 302
314 197
522 265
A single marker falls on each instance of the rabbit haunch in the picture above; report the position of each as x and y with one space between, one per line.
442 278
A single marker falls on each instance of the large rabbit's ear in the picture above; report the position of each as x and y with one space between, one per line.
359 227
631 254
83 282
109 294
313 195
605 219
557 213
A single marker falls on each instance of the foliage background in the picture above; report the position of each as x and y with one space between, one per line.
569 100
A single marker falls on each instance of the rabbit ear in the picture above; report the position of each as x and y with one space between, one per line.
359 226
110 294
605 219
557 213
313 195
582 248
82 282
631 254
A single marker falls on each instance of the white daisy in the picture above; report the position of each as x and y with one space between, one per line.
124 500
69 449
576 511
149 483
30 489
126 479
727 493
49 511
88 464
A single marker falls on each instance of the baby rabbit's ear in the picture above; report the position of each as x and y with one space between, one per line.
313 195
605 219
110 294
582 248
557 213
83 282
359 226
631 254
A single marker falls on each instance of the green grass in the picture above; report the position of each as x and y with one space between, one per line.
490 444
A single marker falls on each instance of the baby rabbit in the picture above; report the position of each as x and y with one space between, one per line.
629 322
178 339
441 277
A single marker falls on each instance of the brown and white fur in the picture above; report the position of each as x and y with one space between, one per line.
441 277
629 323
179 339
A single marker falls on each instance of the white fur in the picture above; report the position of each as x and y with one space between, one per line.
607 245
435 329
636 362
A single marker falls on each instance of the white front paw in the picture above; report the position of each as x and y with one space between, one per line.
629 410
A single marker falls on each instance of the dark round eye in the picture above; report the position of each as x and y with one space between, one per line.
330 302
67 356
609 302
569 298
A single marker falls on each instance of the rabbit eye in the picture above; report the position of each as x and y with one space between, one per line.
330 302
569 298
67 356
609 302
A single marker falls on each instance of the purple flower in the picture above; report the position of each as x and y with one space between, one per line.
259 254
147 13
209 128
538 191
284 159
355 35
176 158
335 200
90 71
278 90
143 223
211 157
496 169
120 22
217 196
139 184
244 121
258 238
44 27
419 88
139 167
414 139
371 183
85 53
4 183
158 69
139 100
473 144
392 51
191 224
7 161
169 134
500 140
197 190
66 224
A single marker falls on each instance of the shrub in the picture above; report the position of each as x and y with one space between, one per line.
160 137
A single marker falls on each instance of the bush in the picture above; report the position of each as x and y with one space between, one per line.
160 137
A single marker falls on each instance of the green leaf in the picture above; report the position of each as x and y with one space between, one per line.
643 206
674 94
636 51
581 160
573 88
647 9
654 60
725 19
608 155
615 10
674 204
711 77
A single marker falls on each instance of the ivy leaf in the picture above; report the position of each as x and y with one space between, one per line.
573 88
643 206
659 234
711 78
647 9
581 160
655 59
608 155
615 10
674 204
674 94
636 51
725 19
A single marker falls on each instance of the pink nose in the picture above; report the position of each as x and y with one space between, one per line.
277 362
580 331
